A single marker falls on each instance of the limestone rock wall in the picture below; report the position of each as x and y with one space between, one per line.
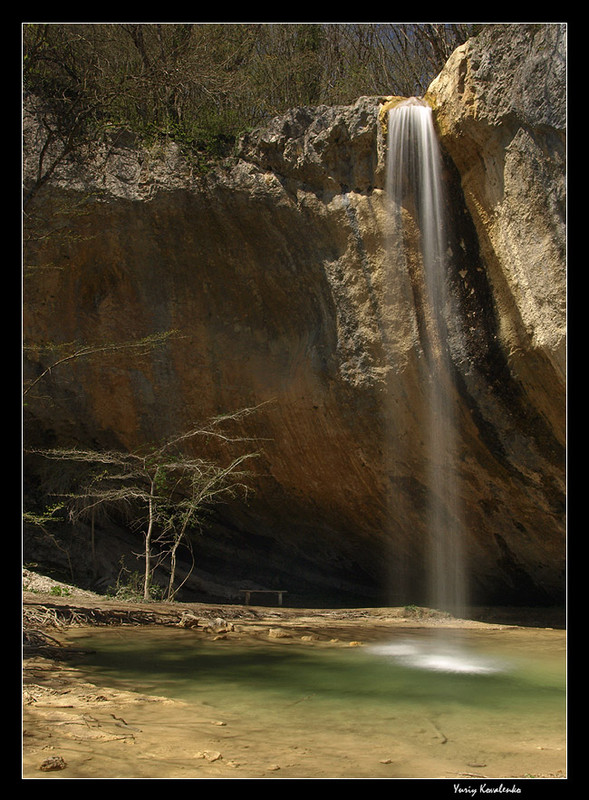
500 107
279 274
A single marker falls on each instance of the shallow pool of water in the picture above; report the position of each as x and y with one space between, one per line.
485 702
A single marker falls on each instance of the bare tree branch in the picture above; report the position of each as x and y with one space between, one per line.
85 350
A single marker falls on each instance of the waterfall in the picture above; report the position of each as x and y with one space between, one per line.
418 212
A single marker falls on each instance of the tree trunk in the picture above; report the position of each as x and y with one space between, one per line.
171 592
148 535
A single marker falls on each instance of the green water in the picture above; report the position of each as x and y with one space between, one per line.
176 664
330 710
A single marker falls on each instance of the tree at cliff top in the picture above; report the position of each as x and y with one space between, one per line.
204 84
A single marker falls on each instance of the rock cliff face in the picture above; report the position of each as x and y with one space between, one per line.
278 272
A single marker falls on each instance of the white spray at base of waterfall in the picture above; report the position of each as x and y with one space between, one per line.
438 657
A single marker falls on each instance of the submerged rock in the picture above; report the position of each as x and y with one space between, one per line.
209 755
53 764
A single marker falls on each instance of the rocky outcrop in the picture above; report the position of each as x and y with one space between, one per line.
501 111
277 271
500 107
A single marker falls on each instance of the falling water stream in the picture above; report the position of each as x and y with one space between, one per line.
415 193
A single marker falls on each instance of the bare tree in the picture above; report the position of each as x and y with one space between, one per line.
167 490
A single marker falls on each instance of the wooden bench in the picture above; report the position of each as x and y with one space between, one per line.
248 593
